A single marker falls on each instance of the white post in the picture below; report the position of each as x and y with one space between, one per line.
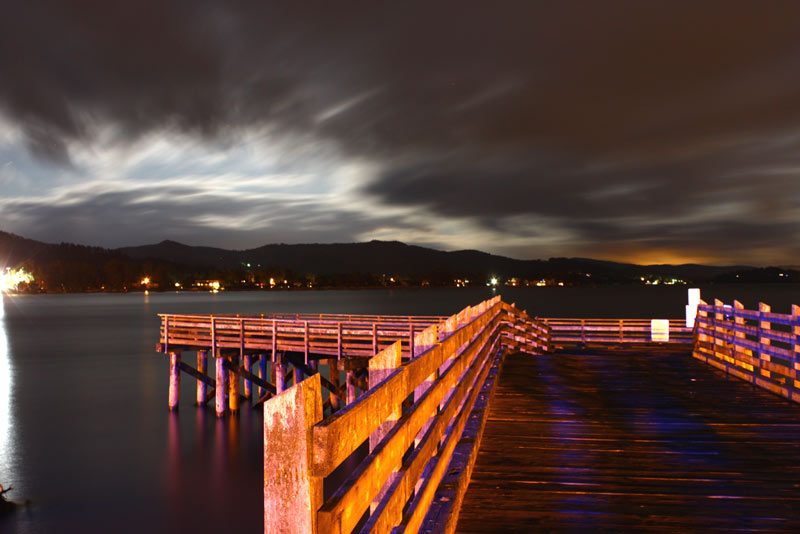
691 307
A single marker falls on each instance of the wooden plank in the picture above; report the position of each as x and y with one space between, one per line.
632 442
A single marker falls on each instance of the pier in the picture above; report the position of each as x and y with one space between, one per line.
491 420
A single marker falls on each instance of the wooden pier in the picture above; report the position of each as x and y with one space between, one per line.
494 421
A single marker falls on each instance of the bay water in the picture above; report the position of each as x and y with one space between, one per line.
85 434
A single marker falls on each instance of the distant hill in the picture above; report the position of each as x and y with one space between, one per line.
74 266
396 258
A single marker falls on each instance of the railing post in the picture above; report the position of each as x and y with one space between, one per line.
305 340
718 329
166 333
410 341
174 379
762 340
739 322
274 338
292 495
374 339
796 345
381 366
202 367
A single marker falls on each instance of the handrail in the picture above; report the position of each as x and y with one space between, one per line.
362 337
451 365
612 331
758 346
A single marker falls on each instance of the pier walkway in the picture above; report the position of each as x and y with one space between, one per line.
491 420
633 440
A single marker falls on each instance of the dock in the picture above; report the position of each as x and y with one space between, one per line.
492 420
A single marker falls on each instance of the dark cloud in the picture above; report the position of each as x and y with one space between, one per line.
667 124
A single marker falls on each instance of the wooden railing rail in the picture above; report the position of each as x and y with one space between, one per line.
758 346
321 336
612 331
449 380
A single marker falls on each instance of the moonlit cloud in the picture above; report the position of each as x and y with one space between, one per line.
655 131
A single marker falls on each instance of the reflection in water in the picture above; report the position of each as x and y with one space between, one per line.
6 381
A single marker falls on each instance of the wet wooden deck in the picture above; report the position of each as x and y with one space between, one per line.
628 441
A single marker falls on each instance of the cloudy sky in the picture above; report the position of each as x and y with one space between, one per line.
642 131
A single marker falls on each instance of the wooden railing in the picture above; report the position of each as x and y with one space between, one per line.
329 334
423 421
758 346
612 331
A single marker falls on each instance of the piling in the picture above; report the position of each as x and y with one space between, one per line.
202 367
248 385
174 379
220 386
233 385
262 374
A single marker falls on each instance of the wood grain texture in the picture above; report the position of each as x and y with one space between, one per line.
628 441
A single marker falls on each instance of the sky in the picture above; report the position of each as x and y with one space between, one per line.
642 131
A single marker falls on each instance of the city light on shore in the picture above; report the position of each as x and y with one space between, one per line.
11 279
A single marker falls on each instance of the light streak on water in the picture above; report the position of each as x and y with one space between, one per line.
6 382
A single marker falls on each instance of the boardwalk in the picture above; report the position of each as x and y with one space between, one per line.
633 441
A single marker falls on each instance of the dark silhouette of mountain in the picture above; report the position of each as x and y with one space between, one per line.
70 267
396 258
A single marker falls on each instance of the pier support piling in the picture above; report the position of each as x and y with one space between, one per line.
351 387
248 385
174 380
333 371
233 385
280 373
202 367
221 377
262 374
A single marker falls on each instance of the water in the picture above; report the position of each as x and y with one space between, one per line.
84 429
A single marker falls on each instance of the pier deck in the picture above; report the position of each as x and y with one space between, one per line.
633 440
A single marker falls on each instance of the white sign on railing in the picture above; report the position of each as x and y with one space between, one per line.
691 308
659 330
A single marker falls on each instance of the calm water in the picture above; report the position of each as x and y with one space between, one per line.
84 429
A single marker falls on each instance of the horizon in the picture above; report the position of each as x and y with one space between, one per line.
542 259
645 134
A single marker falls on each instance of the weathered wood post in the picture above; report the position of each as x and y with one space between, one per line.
305 341
233 385
380 367
262 374
374 338
280 373
248 385
796 347
764 326
202 367
424 341
292 494
719 343
174 379
220 388
333 372
351 387
739 322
